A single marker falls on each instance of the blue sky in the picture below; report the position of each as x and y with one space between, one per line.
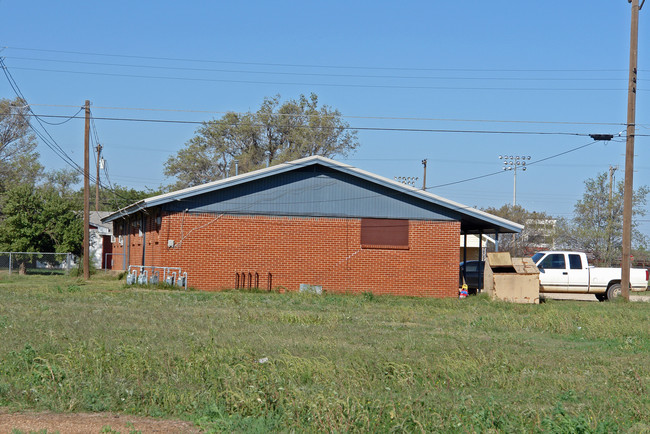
555 70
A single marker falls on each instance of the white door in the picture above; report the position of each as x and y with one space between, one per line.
554 276
578 274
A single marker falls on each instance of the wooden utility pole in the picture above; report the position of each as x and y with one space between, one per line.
629 153
610 212
99 155
612 169
86 259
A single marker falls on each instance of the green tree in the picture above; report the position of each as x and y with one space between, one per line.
120 197
114 198
208 155
276 133
18 157
540 230
63 181
597 224
38 219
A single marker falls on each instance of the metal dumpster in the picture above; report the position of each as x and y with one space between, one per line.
511 279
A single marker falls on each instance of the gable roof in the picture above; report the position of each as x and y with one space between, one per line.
96 218
472 220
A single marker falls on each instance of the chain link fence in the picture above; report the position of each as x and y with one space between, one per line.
36 262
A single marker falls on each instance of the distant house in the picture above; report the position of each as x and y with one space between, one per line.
539 234
476 246
312 221
101 242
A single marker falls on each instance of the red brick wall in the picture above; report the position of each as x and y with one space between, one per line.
212 249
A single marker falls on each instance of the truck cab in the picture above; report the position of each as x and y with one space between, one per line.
562 271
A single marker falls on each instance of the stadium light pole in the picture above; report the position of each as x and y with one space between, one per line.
512 162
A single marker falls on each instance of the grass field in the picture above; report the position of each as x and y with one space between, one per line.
256 362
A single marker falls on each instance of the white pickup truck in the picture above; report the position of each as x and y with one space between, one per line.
570 272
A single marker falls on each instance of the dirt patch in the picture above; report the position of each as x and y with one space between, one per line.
78 423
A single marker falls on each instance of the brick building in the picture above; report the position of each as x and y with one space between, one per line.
313 221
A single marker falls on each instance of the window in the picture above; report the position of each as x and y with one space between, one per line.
537 256
554 261
384 234
575 263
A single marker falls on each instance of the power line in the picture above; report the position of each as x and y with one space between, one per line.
416 130
501 171
96 142
66 118
466 179
45 136
293 65
369 86
353 116
316 74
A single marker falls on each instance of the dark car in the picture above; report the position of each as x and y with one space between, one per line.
471 273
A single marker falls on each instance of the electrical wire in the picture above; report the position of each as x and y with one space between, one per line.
459 181
67 118
373 195
96 142
292 65
54 146
402 118
502 171
45 136
366 86
315 74
416 130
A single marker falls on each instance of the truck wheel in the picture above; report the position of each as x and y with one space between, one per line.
613 291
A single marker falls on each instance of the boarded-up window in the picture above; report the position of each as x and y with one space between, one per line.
384 234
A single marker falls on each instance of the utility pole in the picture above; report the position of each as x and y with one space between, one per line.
612 169
610 212
424 181
629 153
86 258
99 153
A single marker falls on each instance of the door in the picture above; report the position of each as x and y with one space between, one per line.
553 273
578 274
